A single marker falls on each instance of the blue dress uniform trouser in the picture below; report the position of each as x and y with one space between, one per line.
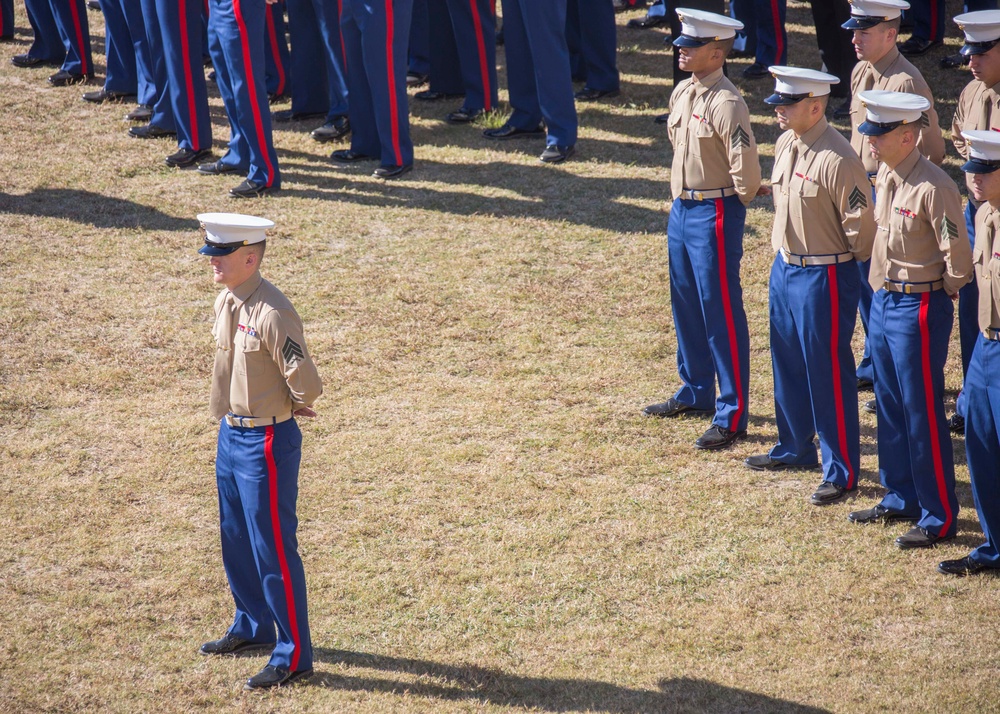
236 44
276 55
145 82
705 247
180 24
928 19
375 39
317 87
6 18
813 311
539 81
46 44
74 31
909 336
865 370
257 475
163 112
475 33
121 74
419 52
968 314
982 445
445 65
593 21
772 40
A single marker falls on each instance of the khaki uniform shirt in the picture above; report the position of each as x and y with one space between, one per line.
893 73
978 108
822 196
921 236
262 367
714 145
986 261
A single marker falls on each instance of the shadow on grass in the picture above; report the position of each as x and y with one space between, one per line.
88 207
479 684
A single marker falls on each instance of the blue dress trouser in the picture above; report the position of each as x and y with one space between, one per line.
145 81
276 55
928 19
6 18
705 247
909 336
236 44
982 445
593 21
74 31
813 311
419 52
772 40
180 24
121 75
445 65
317 87
257 471
539 81
968 314
46 44
376 33
163 111
475 32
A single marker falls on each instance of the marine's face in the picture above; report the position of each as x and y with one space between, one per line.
872 43
986 66
986 187
794 116
231 270
889 147
695 59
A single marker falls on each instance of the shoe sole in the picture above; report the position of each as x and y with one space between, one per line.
690 411
911 546
827 501
291 679
722 444
247 649
884 520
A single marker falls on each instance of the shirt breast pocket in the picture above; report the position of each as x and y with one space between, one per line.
702 136
252 356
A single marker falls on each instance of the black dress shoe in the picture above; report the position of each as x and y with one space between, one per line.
963 566
590 95
920 537
217 168
346 156
103 95
661 118
278 98
647 22
94 5
140 113
878 514
555 154
287 115
183 158
954 61
718 437
415 79
272 676
865 385
337 128
764 462
842 110
232 645
871 406
756 71
392 172
956 425
251 189
828 492
463 115
670 408
429 96
62 78
149 131
511 132
916 46
26 60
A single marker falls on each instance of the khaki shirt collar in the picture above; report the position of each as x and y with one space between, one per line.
245 289
883 64
905 166
703 85
814 133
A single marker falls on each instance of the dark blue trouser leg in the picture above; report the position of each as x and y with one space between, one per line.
982 445
74 30
180 28
119 50
475 35
968 314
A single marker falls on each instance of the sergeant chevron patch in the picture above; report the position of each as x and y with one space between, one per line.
739 138
857 199
949 231
292 351
925 119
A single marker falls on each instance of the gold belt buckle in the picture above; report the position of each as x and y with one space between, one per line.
699 195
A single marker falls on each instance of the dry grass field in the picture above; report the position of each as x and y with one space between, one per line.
487 522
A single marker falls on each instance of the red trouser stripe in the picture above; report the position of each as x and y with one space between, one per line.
393 107
272 34
188 77
484 71
340 30
778 27
258 122
727 308
838 395
279 547
79 38
935 439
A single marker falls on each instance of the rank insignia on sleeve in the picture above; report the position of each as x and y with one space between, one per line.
949 231
739 138
857 199
925 119
292 351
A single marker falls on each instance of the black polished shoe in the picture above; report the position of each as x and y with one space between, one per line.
956 425
217 168
272 676
842 110
415 79
62 78
871 406
232 645
670 408
661 118
555 154
94 5
756 71
149 131
718 438
464 115
591 95
512 132
954 61
140 113
183 158
278 98
346 156
916 46
103 95
251 189
920 537
286 115
764 462
27 61
430 96
392 172
962 567
338 128
879 514
646 22
865 385
828 492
